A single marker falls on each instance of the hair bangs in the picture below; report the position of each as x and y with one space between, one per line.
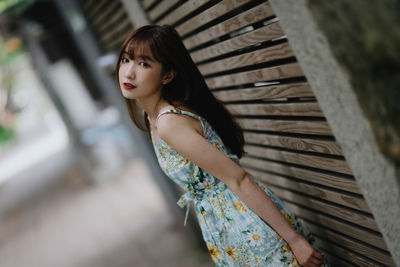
142 44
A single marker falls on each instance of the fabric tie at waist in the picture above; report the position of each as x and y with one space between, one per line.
191 196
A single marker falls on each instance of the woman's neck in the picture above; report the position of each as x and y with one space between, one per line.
152 107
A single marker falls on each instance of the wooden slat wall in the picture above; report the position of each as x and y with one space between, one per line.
247 62
109 22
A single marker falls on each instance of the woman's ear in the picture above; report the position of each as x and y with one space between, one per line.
168 77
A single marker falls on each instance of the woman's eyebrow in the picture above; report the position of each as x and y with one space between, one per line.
145 57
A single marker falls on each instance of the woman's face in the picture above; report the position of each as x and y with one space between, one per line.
141 76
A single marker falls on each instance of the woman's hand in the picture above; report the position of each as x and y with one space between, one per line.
305 254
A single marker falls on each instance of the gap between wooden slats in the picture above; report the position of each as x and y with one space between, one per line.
182 11
345 228
106 13
286 126
329 180
111 21
266 33
291 90
210 14
341 198
340 212
318 162
161 8
339 260
116 32
311 109
88 4
301 144
262 75
335 261
355 258
264 55
92 12
117 42
350 244
246 18
147 3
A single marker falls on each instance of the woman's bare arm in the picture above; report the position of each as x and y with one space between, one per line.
178 132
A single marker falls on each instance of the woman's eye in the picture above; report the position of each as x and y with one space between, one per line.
124 60
143 64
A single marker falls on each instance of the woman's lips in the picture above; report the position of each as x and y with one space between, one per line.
128 86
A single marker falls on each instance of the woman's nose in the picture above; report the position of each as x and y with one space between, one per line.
130 71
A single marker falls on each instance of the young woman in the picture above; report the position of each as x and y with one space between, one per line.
198 146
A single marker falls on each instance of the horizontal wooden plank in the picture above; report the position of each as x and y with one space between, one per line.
334 181
291 70
263 34
336 165
327 208
339 226
249 59
311 109
161 8
354 258
291 90
182 11
286 126
347 200
147 3
210 14
352 245
246 18
302 144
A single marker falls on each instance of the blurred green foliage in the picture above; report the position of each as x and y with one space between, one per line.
15 6
11 51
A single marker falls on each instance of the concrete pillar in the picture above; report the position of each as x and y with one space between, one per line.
135 12
331 84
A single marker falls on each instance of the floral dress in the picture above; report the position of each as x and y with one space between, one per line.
234 235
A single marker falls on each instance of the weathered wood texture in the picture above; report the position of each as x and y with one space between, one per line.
248 64
148 3
208 15
246 18
109 21
291 90
161 8
285 71
294 143
182 11
260 35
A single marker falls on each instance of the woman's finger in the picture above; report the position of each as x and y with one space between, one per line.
318 255
315 261
310 264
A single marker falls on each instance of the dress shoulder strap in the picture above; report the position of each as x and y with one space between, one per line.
178 111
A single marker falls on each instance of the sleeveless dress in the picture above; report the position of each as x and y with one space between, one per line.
234 235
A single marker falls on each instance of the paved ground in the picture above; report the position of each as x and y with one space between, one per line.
122 223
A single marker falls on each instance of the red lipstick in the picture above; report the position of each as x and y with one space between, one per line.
128 86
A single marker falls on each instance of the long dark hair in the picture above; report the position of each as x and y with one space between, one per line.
187 89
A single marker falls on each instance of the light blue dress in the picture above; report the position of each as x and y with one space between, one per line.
234 235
